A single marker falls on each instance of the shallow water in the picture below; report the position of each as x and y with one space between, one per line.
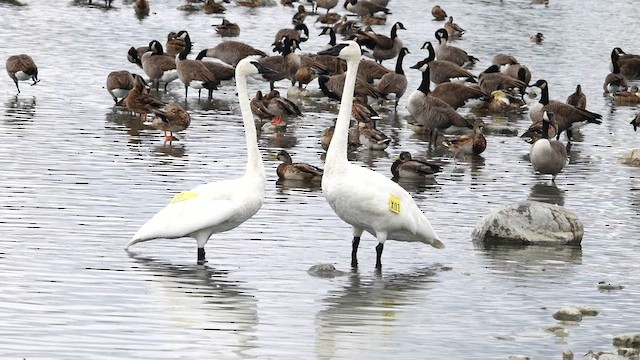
80 176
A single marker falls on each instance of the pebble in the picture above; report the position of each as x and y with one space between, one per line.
568 313
609 286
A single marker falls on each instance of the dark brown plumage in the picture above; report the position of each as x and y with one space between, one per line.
22 68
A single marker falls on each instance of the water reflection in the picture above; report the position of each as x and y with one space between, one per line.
123 118
170 149
547 193
367 306
20 108
207 301
534 261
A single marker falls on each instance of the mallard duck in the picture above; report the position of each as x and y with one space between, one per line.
327 135
362 111
22 68
454 30
300 16
372 138
346 27
438 13
259 108
172 118
119 83
473 144
329 18
138 99
406 167
213 7
217 206
227 29
374 20
280 106
630 97
141 8
548 156
361 197
289 170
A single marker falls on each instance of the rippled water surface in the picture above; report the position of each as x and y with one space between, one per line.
78 177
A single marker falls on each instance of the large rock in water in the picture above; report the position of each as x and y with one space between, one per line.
529 223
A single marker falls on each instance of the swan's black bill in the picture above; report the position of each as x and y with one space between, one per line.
263 69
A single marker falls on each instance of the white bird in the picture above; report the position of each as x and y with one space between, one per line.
365 199
217 206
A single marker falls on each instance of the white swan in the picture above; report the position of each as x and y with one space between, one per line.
217 206
365 199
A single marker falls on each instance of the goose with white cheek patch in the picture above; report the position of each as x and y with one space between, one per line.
548 156
217 206
363 198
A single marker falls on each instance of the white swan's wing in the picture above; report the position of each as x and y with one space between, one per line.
181 217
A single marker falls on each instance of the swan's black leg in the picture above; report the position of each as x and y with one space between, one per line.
354 251
379 249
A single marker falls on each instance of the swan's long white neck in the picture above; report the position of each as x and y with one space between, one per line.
254 159
337 153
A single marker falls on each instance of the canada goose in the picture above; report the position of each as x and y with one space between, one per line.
138 99
432 112
325 4
458 95
381 2
289 170
636 122
630 97
438 13
566 116
364 7
383 47
329 18
134 55
158 66
548 156
615 81
217 206
346 27
492 79
327 30
454 30
629 63
444 51
578 98
333 87
473 144
520 72
220 71
299 33
534 132
280 106
227 29
119 83
395 82
230 52
537 38
372 138
300 16
195 74
405 167
213 7
369 71
141 8
443 71
22 68
504 59
374 203
172 118
286 65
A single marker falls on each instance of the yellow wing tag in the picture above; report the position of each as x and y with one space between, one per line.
394 204
185 195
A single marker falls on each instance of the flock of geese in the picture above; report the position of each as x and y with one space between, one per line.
364 199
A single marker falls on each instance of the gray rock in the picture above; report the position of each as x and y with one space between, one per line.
631 340
529 223
325 271
568 313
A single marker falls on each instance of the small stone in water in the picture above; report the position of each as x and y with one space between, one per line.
567 355
568 313
627 340
608 286
586 310
519 357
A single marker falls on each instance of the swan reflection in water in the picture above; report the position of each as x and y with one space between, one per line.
203 301
369 309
